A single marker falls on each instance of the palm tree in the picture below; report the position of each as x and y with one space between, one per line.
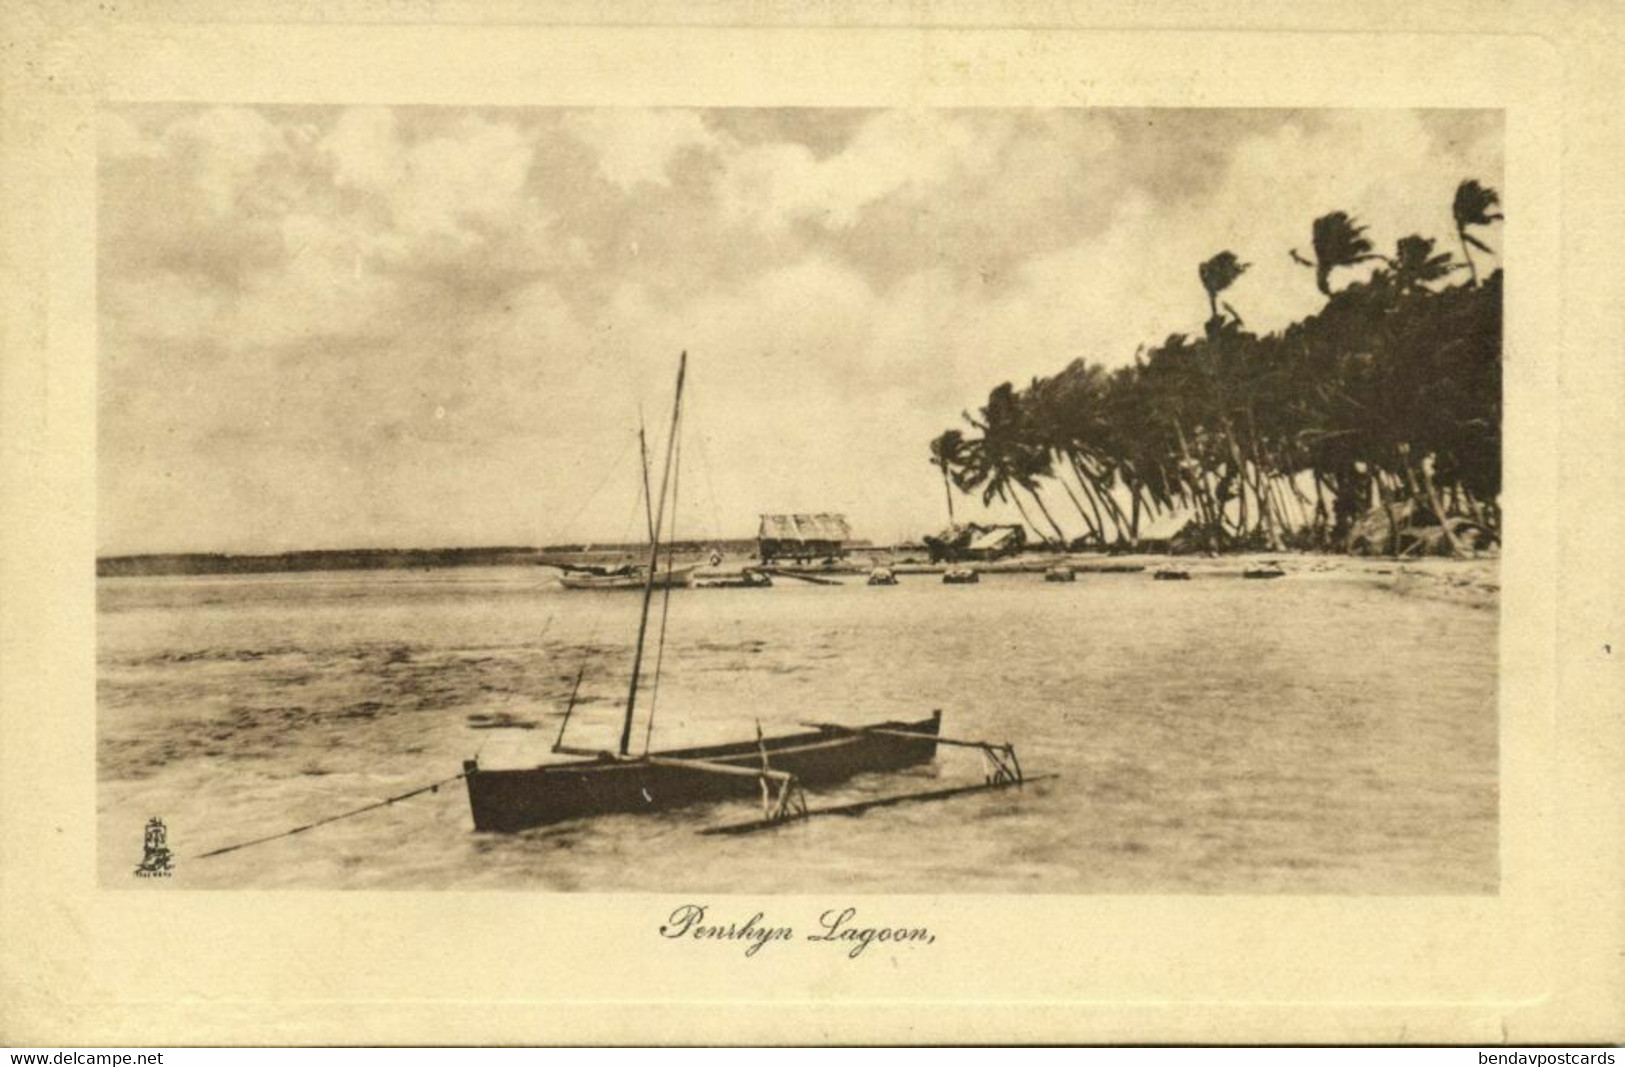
1217 275
947 452
1062 419
1472 207
1415 263
1391 392
1339 241
981 467
1006 458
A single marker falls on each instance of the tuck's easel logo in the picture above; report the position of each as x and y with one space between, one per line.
156 861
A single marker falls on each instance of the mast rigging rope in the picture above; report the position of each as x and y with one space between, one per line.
665 602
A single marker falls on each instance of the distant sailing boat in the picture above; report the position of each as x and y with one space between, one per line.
625 578
776 768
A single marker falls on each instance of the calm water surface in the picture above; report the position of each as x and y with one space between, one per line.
1214 736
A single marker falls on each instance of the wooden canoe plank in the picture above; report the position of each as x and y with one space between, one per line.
906 735
590 753
715 768
799 577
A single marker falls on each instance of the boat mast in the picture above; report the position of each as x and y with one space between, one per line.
648 494
654 557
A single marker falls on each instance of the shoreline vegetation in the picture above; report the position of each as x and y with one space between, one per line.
1372 426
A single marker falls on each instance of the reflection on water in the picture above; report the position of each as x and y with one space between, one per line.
1210 737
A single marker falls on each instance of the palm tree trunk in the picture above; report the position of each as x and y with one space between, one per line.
1060 537
1099 533
1262 505
1083 483
1101 484
1241 487
1016 497
1104 490
1474 508
1388 509
1472 268
1322 515
1456 548
1269 509
948 491
1212 516
1290 494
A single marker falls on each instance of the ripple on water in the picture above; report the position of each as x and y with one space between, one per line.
1210 737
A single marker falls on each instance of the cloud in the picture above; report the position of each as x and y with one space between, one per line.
435 186
917 153
414 325
636 146
224 147
366 150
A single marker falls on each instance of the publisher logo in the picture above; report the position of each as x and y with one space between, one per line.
156 860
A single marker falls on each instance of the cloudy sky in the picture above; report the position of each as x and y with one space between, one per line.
330 327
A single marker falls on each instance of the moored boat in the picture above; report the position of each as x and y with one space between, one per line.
510 800
632 578
601 782
745 579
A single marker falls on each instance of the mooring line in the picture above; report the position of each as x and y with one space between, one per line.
433 787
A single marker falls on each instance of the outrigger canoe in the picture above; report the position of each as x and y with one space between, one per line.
510 800
777 769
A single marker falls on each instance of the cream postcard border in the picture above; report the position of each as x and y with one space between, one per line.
1538 962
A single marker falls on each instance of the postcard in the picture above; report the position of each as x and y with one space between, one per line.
602 524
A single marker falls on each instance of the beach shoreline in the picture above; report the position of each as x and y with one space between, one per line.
1472 582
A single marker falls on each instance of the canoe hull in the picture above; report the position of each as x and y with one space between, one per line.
742 580
506 801
677 578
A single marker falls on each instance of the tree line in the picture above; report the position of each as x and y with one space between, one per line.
1385 404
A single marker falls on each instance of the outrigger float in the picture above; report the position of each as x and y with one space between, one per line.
777 769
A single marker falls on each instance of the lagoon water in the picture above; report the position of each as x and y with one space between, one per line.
1214 736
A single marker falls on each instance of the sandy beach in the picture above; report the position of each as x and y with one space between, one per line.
1469 582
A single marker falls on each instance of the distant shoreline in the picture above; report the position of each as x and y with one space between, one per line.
156 564
1473 582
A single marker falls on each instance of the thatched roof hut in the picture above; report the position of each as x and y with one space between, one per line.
974 541
818 536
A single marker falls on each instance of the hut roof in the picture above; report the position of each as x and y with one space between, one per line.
972 534
821 527
993 538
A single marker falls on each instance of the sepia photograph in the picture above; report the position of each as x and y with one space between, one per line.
1044 500
589 523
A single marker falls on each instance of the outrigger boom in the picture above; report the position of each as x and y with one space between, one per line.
1000 760
859 807
1003 770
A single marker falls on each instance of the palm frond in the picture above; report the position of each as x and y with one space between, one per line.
1339 240
1473 203
1220 272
